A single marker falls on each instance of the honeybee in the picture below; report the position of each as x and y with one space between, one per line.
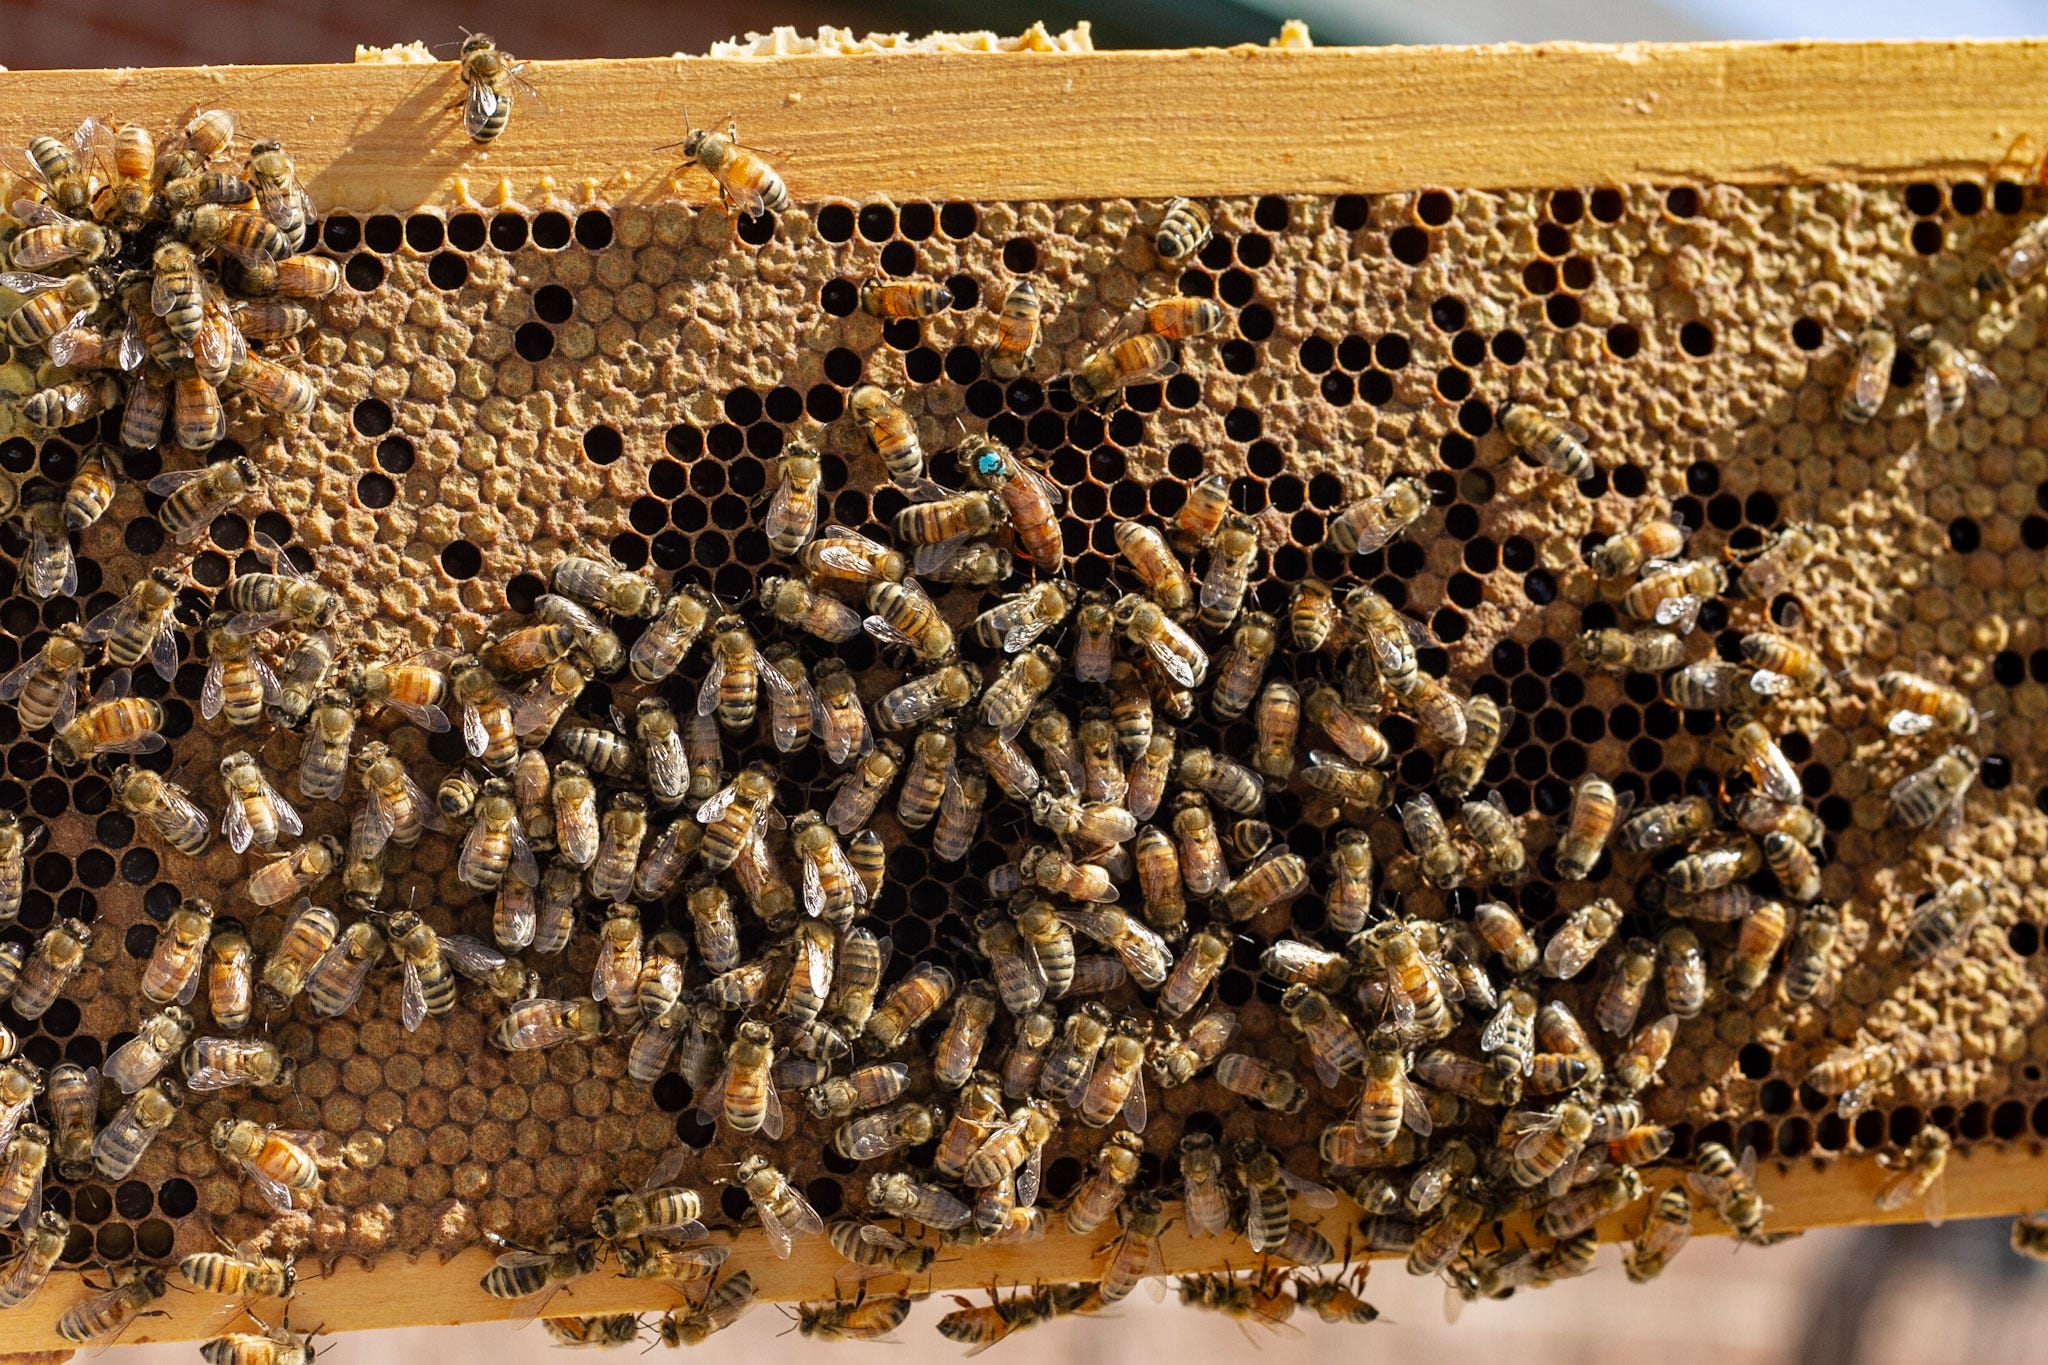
1137 359
901 1195
279 194
1668 825
676 626
1430 841
483 713
58 956
254 813
137 1062
1870 374
1729 1185
864 1319
1791 862
1921 705
1277 725
746 182
1665 1231
51 308
194 497
1183 230
22 1278
1509 1038
608 1330
1008 701
920 699
302 683
1180 319
1116 1087
1029 499
1942 922
114 723
1116 1166
1553 443
168 807
973 562
728 1301
230 977
876 1135
1715 866
51 238
1782 664
1544 1142
110 1312
1768 767
238 680
1769 571
785 1216
1017 621
734 817
1621 555
909 1003
867 1087
1009 355
1379 518
544 1023
1933 793
74 1098
219 1063
1756 946
537 1274
891 433
1807 964
1621 999
1672 593
487 73
21 1176
1461 767
60 405
197 420
841 720
830 888
285 392
336 980
120 1146
1642 651
891 300
1644 1057
1493 829
1596 809
1244 667
1228 576
250 239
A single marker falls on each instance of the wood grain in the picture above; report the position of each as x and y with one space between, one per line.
1204 122
1989 1181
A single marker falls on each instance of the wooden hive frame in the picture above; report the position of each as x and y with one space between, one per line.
982 126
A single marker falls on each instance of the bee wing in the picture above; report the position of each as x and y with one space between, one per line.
18 676
940 555
1901 723
113 621
115 1063
471 956
287 814
277 1194
163 651
1135 1112
597 972
1308 1191
1176 665
210 1077
235 825
709 812
28 283
848 559
667 1169
213 694
1500 1031
1415 1110
1933 1204
814 889
412 1008
1047 489
1531 1130
476 737
803 1221
714 679
525 867
1681 612
819 965
39 215
273 691
1028 1178
1766 683
885 632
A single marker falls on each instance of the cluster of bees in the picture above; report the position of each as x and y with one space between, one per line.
1475 1090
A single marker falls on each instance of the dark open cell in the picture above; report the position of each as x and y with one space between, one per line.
394 456
1350 212
603 445
372 417
376 490
877 222
1696 339
1923 198
467 231
363 272
383 232
552 303
1409 245
1682 201
1552 240
533 341
508 232
551 230
460 559
425 232
1562 310
341 234
594 229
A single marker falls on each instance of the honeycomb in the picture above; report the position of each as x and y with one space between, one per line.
502 387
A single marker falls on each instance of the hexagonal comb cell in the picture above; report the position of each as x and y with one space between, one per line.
501 390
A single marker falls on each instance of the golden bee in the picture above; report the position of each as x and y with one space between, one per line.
1552 442
120 1146
1623 554
1183 230
1378 519
1009 355
1136 359
487 74
785 1215
544 1023
168 807
221 1063
891 300
51 307
1872 351
1933 794
1770 570
1643 651
747 184
1672 593
194 497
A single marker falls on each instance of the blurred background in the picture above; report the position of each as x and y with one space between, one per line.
1850 1295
